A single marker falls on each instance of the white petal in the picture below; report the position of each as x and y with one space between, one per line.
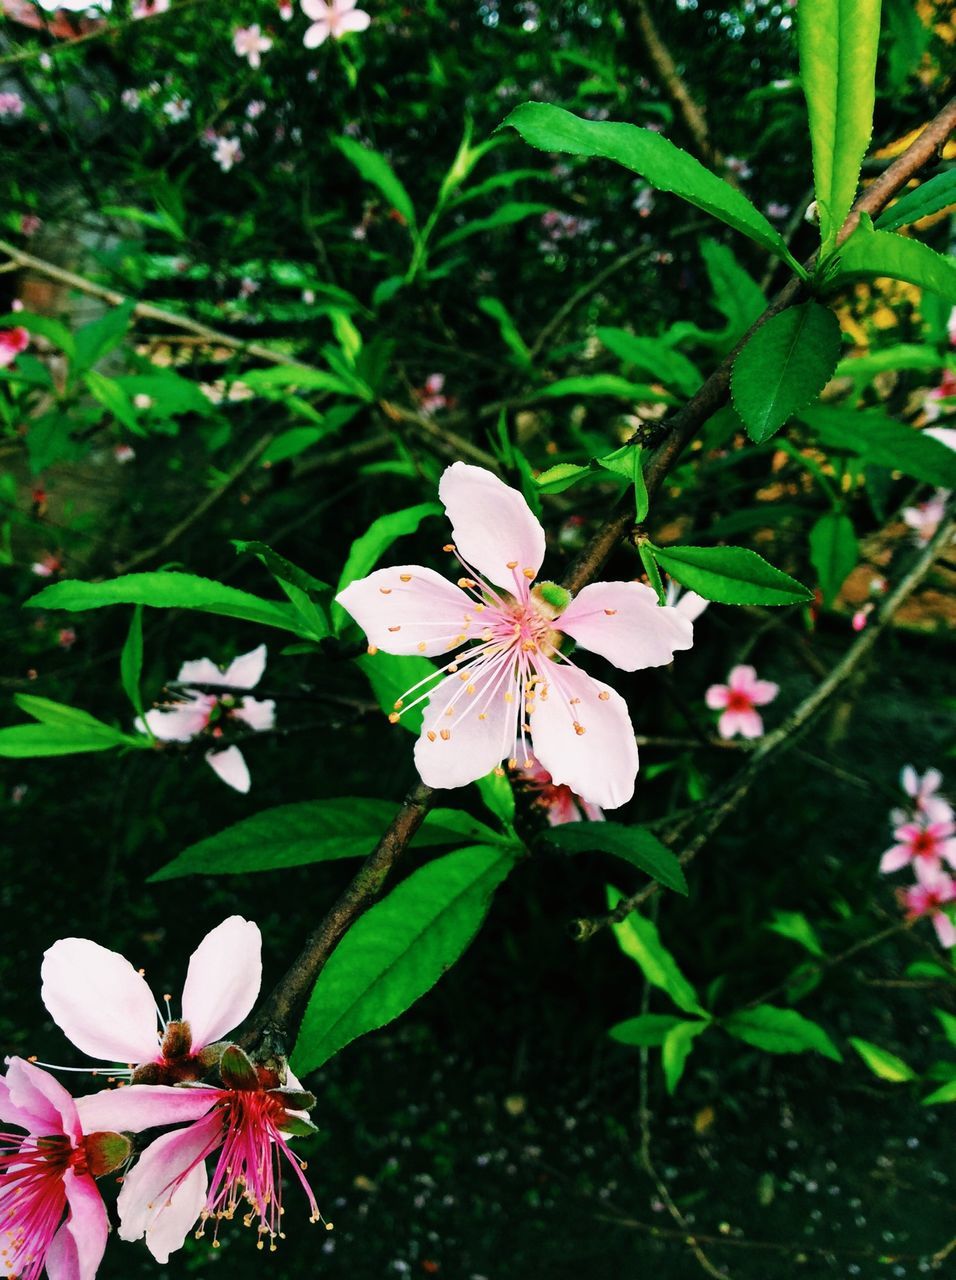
245 672
492 526
147 1203
623 622
200 671
356 20
222 985
410 609
600 764
99 1001
231 767
317 34
256 714
136 1107
480 731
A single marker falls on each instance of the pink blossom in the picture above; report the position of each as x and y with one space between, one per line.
945 435
149 8
251 44
47 566
256 107
689 603
928 899
199 711
925 518
737 699
924 845
248 286
286 10
945 390
430 397
513 683
334 18
226 152
177 109
12 342
923 791
105 1007
52 1213
66 638
560 804
12 106
30 224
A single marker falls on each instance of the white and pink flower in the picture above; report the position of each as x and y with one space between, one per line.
431 396
924 846
227 152
251 44
12 106
201 711
738 700
929 900
560 804
512 683
689 603
105 1007
12 343
923 792
335 18
925 518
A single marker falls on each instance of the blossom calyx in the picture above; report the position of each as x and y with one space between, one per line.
106 1151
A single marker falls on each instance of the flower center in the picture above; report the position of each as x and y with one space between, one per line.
737 701
924 844
32 1198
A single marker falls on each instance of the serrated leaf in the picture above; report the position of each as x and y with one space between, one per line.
646 1030
780 1031
649 154
786 363
375 168
868 254
729 575
367 550
639 939
560 477
676 1050
652 357
837 40
928 198
736 294
397 950
636 845
834 552
882 442
882 1063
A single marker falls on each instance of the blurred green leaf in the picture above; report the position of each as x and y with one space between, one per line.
635 845
882 1063
834 552
777 1030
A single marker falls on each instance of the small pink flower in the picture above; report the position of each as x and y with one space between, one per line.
925 518
560 804
925 846
12 342
737 699
47 566
513 683
52 1214
251 44
66 638
200 711
149 8
124 453
247 287
256 107
928 899
286 11
226 152
861 617
336 18
12 106
923 791
105 1007
430 397
30 224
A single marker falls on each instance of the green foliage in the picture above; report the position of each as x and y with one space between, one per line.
882 1063
776 1030
639 939
880 442
729 575
131 660
634 844
62 731
795 926
868 254
834 552
938 192
367 550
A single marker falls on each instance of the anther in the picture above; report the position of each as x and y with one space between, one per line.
467 582
398 628
421 646
512 762
498 771
444 734
372 649
405 577
449 546
529 574
393 717
604 695
610 612
431 736
398 704
578 728
386 591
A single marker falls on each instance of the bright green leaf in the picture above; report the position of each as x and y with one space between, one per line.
391 676
868 254
676 1050
367 550
834 552
730 575
928 198
635 845
882 1063
882 442
646 1030
795 926
639 939
375 168
131 660
780 1031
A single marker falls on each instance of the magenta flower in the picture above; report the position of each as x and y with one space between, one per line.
560 804
924 845
738 700
513 683
199 712
922 791
334 18
51 1212
105 1007
12 342
251 44
928 899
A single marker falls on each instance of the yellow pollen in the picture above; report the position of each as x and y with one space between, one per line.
460 639
486 635
498 771
469 689
462 675
479 607
386 591
509 697
482 716
578 728
449 546
512 763
528 573
398 628
467 582
453 667
393 717
467 618
422 646
405 577
445 734
449 711
512 564
528 762
372 649
573 701
431 736
604 695
398 704
610 612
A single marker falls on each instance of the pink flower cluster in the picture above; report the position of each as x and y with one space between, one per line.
235 1114
925 834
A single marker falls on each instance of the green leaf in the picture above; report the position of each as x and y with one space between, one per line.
398 950
114 398
599 384
948 1022
795 926
300 586
93 341
170 392
947 1093
736 294
375 168
834 552
676 1050
648 153
506 215
785 364
645 551
367 550
881 442
780 1031
61 714
165 590
131 660
730 575
635 845
928 198
870 253
646 1030
639 939
498 796
837 40
510 336
882 1063
286 377
653 358
560 477
23 741
628 461
43 327
391 676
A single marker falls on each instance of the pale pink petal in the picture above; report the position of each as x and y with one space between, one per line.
599 764
691 605
182 721
763 691
561 807
592 812
908 832
222 984
21 1118
910 780
246 671
231 767
410 609
895 859
143 1106
317 10
730 724
35 1093
623 622
926 869
340 7
945 435
742 679
356 20
99 1001
945 929
256 714
717 697
147 1204
749 724
937 809
492 526
200 671
948 851
78 1256
317 34
932 781
458 748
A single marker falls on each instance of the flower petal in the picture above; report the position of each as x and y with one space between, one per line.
909 779
317 34
256 714
926 869
763 691
79 1254
944 926
598 764
623 622
895 859
356 20
200 671
456 749
691 605
717 697
230 765
148 1205
742 679
179 721
222 984
143 1106
410 609
99 1001
492 526
246 671
35 1094
317 10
